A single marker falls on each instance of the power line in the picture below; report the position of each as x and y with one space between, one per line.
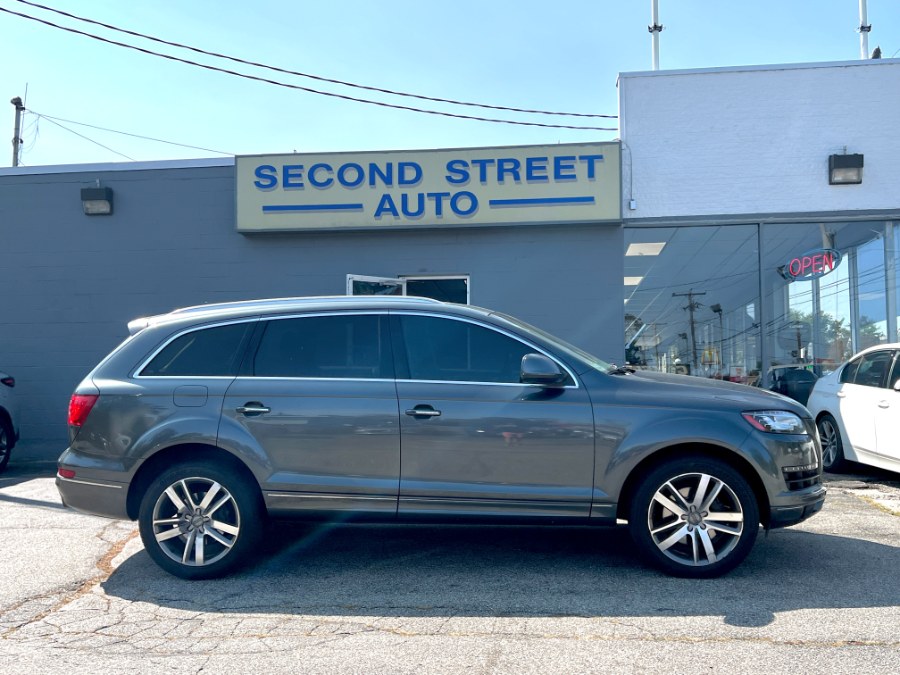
299 87
72 131
126 133
319 78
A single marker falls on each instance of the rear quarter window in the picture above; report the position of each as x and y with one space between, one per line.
206 352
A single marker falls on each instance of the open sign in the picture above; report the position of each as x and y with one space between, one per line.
811 265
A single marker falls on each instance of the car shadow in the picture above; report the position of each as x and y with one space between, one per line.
427 571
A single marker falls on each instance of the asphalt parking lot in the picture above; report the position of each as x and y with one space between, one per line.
78 594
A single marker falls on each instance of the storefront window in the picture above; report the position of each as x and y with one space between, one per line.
693 306
692 300
825 288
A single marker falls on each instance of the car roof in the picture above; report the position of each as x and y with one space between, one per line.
873 348
243 308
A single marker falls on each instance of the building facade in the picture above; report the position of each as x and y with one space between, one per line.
538 235
742 253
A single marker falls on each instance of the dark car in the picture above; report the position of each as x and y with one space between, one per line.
209 419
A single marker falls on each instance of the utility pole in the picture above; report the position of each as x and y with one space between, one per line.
691 306
864 30
17 140
655 29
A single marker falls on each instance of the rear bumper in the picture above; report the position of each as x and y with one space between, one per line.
94 497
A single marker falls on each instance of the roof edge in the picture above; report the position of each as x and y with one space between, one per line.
761 68
118 166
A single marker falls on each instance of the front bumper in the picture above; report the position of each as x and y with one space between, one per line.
784 516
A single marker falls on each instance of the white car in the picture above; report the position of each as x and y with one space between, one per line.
857 410
9 428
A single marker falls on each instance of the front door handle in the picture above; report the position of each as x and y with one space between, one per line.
252 408
841 394
884 404
423 411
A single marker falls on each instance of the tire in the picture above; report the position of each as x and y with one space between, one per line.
6 443
201 520
832 445
673 498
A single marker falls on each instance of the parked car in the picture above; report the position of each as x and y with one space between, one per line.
208 419
793 380
9 426
857 410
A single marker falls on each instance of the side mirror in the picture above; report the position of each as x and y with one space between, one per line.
897 385
541 370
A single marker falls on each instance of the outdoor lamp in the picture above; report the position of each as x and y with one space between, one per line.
845 169
97 201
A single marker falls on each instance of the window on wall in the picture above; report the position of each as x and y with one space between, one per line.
832 308
692 300
443 288
693 303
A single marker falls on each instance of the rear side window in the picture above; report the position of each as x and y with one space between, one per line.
350 346
208 352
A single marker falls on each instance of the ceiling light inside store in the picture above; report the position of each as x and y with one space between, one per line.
648 248
633 281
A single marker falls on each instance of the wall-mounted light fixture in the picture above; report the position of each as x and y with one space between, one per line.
97 201
845 169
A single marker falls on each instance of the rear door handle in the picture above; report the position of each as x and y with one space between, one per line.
884 404
841 394
252 408
423 411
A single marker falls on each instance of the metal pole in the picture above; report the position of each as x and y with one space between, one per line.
863 29
655 29
17 141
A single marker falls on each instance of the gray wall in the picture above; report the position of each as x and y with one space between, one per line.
71 282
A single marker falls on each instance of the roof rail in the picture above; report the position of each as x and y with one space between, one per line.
270 302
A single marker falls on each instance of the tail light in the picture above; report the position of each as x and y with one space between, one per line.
80 407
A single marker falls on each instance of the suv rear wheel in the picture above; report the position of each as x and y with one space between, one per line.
198 520
694 517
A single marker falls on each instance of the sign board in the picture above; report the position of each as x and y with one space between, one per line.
811 265
564 184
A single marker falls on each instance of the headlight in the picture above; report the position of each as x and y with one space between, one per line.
775 421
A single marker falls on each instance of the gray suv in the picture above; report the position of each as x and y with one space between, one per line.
207 420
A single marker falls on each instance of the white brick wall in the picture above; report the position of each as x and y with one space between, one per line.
756 140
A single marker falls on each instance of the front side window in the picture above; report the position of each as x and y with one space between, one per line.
351 346
872 369
208 352
449 350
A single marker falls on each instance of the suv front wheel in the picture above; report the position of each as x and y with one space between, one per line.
199 521
694 517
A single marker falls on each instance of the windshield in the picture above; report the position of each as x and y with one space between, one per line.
562 345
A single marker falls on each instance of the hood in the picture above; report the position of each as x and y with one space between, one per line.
692 392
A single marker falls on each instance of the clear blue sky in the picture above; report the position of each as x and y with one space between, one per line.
562 55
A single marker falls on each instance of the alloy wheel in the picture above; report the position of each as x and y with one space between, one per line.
829 437
695 519
196 521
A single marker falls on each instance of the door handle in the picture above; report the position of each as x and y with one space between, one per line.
884 404
423 411
841 394
252 408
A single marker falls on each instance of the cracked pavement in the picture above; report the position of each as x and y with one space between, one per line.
78 594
